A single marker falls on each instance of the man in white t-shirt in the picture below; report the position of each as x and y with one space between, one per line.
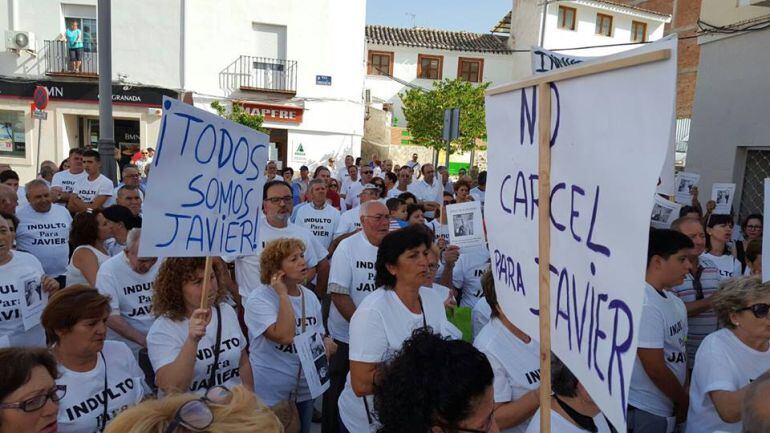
44 230
429 191
355 188
657 398
271 171
350 221
132 179
277 206
480 191
63 181
402 186
130 197
464 273
351 280
414 165
128 279
352 178
342 175
318 216
92 191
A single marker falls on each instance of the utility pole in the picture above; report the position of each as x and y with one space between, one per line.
542 23
106 122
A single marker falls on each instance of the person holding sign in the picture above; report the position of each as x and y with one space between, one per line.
387 318
274 313
657 398
194 345
24 289
29 397
515 360
731 358
101 377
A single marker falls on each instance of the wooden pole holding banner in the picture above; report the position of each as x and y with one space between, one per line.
206 278
544 253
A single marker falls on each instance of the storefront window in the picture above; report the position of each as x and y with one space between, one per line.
12 142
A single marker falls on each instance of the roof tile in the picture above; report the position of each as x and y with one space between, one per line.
437 39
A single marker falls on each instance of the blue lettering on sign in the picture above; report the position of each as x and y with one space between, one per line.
528 115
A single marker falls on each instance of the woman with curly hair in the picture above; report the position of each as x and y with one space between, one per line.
87 235
462 191
193 348
275 312
420 389
223 410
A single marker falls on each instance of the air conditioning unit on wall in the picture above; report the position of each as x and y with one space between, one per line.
19 40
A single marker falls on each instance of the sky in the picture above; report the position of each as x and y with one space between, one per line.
478 16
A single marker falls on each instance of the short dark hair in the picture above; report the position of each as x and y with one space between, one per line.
8 174
717 219
70 305
482 179
412 208
563 382
12 218
273 183
289 169
665 243
420 387
18 363
394 203
689 209
85 228
303 168
422 167
319 168
76 150
392 176
407 195
393 245
92 154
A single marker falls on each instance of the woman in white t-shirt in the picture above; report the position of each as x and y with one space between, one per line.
387 317
730 358
89 231
515 360
193 348
22 285
719 232
435 385
275 313
102 378
29 397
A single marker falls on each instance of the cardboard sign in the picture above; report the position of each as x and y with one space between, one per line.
205 189
605 163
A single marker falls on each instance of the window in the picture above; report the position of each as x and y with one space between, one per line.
604 25
429 67
470 69
12 140
380 63
567 18
638 31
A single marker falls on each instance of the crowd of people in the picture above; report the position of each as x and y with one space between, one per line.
95 337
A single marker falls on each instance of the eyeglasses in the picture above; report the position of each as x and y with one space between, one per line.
366 172
278 200
753 227
760 311
35 403
196 415
378 218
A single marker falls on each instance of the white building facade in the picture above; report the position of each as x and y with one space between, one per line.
284 60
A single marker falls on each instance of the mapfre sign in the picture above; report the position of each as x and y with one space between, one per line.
274 113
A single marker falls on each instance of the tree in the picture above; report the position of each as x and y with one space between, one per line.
424 112
239 115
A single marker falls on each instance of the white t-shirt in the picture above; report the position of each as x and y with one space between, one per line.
45 236
275 365
74 275
378 328
515 364
114 198
321 222
723 363
350 220
66 180
19 287
480 316
113 247
443 291
395 192
166 338
728 265
88 190
478 195
82 408
342 175
351 194
247 267
425 192
352 273
561 425
663 326
130 294
466 275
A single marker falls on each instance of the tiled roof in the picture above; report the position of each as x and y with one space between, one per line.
437 39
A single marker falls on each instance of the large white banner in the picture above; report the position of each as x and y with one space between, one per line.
205 186
606 160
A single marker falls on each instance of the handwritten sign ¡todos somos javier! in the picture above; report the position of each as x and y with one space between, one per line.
605 163
205 187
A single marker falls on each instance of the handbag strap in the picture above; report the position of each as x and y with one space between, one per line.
106 392
302 327
217 345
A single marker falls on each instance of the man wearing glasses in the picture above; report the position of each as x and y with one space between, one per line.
350 220
355 188
132 178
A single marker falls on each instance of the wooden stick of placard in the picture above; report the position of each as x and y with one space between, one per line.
206 278
544 247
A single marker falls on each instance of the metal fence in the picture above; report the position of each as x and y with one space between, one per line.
262 73
757 169
57 59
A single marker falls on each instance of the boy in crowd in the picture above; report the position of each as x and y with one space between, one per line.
397 209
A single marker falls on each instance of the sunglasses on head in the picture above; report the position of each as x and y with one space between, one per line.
196 415
760 311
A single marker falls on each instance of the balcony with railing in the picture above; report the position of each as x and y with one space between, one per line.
59 63
260 74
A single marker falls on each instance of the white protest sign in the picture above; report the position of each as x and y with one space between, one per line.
766 235
205 191
664 213
465 224
604 167
723 194
312 357
544 60
684 184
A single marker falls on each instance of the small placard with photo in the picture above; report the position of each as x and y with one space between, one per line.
465 224
685 182
722 194
664 213
315 365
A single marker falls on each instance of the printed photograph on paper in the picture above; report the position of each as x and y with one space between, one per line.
465 224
